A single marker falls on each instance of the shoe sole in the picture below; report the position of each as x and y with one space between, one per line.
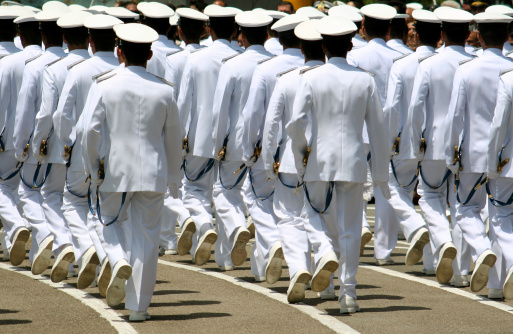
87 275
18 252
104 280
203 251
60 269
116 291
444 269
384 263
415 252
274 267
42 261
366 238
297 292
239 254
185 241
321 280
480 275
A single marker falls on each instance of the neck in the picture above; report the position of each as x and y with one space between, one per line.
77 47
449 43
307 60
191 41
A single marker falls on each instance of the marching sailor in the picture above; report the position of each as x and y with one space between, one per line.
398 32
273 44
353 14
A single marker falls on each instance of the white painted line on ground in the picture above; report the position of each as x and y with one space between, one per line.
434 284
325 319
97 305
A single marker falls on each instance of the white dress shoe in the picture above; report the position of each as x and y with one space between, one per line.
17 252
366 238
508 285
259 279
6 256
43 256
171 251
296 290
416 249
238 254
328 294
327 265
117 290
227 268
139 316
495 294
104 277
87 273
444 269
385 262
459 281
185 240
203 251
61 265
484 263
273 268
428 272
348 305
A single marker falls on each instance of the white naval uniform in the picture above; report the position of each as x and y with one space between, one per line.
258 188
175 64
207 41
52 190
29 102
161 47
286 203
195 104
507 48
335 100
231 94
17 42
378 58
398 45
358 42
7 48
428 109
235 45
141 159
273 46
69 110
11 74
473 99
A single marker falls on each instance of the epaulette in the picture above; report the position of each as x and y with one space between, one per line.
105 78
165 81
426 57
505 71
70 66
198 49
303 71
230 57
33 58
508 53
264 60
174 52
401 57
371 74
101 74
279 75
466 61
53 62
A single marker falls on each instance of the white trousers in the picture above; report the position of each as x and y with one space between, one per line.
172 212
461 264
144 227
342 225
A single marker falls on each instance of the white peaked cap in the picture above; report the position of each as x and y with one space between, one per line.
26 18
73 19
33 9
75 7
453 15
311 12
307 31
253 19
101 21
10 3
379 11
289 22
492 18
276 15
414 5
348 12
425 16
173 20
99 8
336 26
219 11
499 9
9 13
121 12
136 33
49 15
155 10
56 5
191 14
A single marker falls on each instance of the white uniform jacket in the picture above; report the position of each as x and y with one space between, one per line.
29 101
231 94
507 48
278 116
430 100
7 48
196 98
262 86
54 77
358 42
161 48
235 45
175 65
141 133
273 46
400 87
473 100
398 45
335 99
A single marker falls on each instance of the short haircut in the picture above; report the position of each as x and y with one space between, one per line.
136 53
398 28
456 32
171 34
375 28
192 29
287 3
312 50
337 46
7 30
429 33
223 26
493 33
103 39
289 40
161 26
255 35
30 32
52 32
75 36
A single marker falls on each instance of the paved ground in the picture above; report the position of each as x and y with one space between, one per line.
188 299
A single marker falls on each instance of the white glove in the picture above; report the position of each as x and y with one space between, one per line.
173 190
385 189
38 156
493 175
455 169
95 186
249 162
21 157
271 174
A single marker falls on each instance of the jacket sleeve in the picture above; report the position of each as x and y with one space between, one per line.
221 108
393 106
500 125
184 101
5 96
25 112
377 129
64 118
172 143
272 126
454 121
93 137
416 110
172 76
43 123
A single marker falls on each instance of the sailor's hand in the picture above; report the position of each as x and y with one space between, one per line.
249 162
21 157
419 155
385 189
40 158
173 190
271 174
455 169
